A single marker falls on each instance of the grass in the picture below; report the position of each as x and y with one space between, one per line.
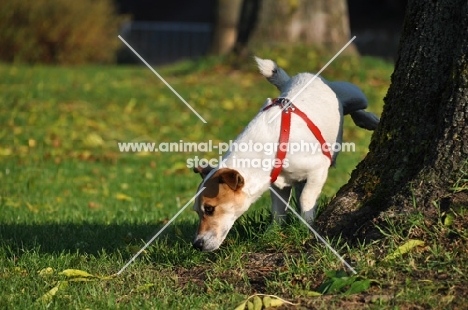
70 200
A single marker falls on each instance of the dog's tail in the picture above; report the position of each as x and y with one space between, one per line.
274 74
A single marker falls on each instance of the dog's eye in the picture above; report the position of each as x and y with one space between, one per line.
209 210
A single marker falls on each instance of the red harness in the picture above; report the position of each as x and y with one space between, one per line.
287 108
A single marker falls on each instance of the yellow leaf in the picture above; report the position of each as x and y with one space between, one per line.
276 302
405 248
93 140
46 271
76 273
121 196
313 294
257 301
267 301
250 305
143 153
241 306
228 104
5 151
47 297
81 279
448 221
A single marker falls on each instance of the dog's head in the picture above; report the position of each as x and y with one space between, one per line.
218 206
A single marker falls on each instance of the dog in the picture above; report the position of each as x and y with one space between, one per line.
315 116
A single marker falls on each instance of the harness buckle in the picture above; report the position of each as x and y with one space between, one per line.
285 104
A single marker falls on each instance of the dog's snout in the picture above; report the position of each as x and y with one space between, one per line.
198 244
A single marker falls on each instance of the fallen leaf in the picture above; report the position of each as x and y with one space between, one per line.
275 302
121 196
241 306
267 301
47 297
405 248
93 140
448 221
76 273
46 271
257 301
312 294
80 279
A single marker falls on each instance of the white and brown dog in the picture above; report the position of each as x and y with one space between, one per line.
230 189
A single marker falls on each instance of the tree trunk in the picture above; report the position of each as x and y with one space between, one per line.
323 22
247 22
225 32
421 144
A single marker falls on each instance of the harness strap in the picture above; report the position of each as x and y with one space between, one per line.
316 131
287 109
283 145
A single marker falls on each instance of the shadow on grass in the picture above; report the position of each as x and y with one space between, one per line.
87 237
95 238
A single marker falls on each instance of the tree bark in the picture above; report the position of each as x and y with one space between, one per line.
421 144
225 32
323 22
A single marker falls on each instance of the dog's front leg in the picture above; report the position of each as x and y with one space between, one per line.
278 207
310 193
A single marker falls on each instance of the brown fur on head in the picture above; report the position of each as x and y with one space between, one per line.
219 205
223 177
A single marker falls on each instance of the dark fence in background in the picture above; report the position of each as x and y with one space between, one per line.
165 42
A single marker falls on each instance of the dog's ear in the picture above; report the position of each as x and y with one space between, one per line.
232 178
203 171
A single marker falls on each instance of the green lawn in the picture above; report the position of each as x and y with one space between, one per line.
70 200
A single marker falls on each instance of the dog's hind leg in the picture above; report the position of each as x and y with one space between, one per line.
298 188
278 208
354 102
311 192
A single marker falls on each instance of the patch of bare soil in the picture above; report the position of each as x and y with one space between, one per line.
431 281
